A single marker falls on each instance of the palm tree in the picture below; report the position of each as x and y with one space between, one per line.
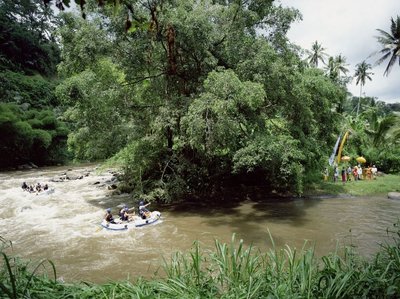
336 66
341 64
331 69
390 44
362 74
316 54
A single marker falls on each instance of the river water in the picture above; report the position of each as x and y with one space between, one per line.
64 226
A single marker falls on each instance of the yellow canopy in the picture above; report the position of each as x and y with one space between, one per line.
361 160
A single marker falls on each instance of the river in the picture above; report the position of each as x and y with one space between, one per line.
64 226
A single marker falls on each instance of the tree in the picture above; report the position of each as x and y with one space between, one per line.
337 67
199 95
316 54
390 43
362 74
27 43
341 64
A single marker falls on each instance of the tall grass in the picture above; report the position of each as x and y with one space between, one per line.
231 271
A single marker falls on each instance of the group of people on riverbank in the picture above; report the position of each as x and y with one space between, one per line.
128 214
34 188
355 173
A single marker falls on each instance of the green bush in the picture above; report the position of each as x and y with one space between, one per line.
30 136
35 90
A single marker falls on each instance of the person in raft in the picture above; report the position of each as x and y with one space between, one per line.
124 214
109 217
143 211
25 187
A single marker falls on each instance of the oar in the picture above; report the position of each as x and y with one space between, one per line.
99 229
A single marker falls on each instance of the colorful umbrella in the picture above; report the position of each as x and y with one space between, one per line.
361 160
345 158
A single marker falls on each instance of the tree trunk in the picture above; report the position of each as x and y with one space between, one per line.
359 99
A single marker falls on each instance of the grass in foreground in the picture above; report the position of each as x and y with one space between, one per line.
379 186
230 271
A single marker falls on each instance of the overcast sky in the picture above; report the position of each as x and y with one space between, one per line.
348 27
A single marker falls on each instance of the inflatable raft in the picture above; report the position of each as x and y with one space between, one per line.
46 192
136 222
43 192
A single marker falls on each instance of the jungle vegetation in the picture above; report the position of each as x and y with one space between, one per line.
30 126
185 96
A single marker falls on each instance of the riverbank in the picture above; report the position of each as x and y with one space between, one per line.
380 186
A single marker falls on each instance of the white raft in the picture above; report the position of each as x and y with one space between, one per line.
136 222
43 192
46 192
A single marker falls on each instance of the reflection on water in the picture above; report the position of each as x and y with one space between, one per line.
64 226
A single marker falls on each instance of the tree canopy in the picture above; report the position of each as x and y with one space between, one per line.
196 94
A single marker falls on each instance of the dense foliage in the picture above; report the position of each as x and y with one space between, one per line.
31 136
26 42
229 271
196 94
374 132
30 131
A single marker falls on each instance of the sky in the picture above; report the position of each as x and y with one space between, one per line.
348 27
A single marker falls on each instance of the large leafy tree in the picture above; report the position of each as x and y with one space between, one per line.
390 42
316 54
362 74
207 91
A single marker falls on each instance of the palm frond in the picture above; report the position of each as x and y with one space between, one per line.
384 126
396 135
395 27
385 35
383 58
390 44
390 64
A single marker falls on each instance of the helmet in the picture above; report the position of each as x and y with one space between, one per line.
141 203
126 209
108 210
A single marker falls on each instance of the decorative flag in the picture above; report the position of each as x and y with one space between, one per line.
332 157
341 147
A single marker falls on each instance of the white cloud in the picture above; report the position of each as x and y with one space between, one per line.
348 27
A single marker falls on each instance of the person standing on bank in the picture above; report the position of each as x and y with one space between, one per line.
343 175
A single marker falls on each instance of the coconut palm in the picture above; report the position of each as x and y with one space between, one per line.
362 74
336 66
316 54
341 64
390 44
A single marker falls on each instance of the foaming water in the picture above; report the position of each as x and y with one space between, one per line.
65 226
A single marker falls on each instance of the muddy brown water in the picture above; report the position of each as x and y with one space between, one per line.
64 226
